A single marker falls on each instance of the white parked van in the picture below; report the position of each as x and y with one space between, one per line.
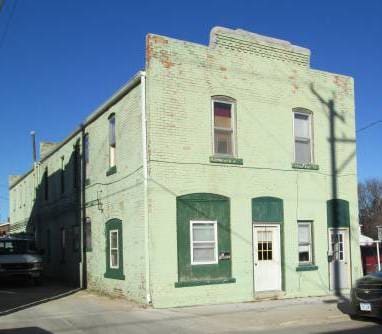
19 258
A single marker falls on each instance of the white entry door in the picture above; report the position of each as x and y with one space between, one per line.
339 265
266 255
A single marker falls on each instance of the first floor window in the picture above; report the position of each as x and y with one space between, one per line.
114 249
204 247
88 234
305 242
63 244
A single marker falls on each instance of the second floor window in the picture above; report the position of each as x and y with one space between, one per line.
303 152
62 175
224 134
112 141
86 154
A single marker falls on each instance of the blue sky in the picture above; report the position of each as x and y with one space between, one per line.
60 59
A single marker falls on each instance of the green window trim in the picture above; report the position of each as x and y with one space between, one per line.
306 267
203 207
226 160
205 282
112 170
114 273
309 166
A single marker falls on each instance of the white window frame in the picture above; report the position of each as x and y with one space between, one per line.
112 147
304 112
114 248
310 225
233 125
215 223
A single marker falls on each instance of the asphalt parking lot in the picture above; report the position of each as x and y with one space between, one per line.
53 308
16 295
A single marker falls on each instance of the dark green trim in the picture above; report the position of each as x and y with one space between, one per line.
338 214
203 206
206 282
298 165
267 210
270 210
226 160
111 171
114 273
87 181
306 267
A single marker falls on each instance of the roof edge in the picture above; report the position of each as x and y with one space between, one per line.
126 88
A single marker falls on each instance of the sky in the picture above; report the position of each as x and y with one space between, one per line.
59 60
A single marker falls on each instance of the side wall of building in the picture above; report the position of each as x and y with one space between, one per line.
181 79
111 194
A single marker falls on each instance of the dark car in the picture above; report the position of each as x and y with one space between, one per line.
366 295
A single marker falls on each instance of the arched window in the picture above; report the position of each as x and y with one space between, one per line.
224 126
303 135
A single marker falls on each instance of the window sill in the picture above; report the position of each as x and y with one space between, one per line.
298 165
111 171
205 282
226 160
114 275
306 267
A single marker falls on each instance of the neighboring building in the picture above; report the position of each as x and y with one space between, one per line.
207 179
4 228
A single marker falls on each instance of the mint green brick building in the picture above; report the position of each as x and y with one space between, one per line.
208 178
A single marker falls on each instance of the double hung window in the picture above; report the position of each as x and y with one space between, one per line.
204 245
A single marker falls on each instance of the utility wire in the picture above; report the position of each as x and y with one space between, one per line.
12 12
369 125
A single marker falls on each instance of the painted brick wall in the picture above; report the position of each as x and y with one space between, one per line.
181 78
115 196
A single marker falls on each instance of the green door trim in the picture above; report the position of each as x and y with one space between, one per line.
270 210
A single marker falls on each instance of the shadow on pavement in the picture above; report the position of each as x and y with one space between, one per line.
25 330
19 295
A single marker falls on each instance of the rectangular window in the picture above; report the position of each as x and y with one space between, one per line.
62 176
305 255
75 166
302 138
204 246
46 184
114 258
88 234
86 154
112 141
223 128
63 244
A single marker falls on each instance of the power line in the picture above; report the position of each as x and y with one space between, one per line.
369 125
12 12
